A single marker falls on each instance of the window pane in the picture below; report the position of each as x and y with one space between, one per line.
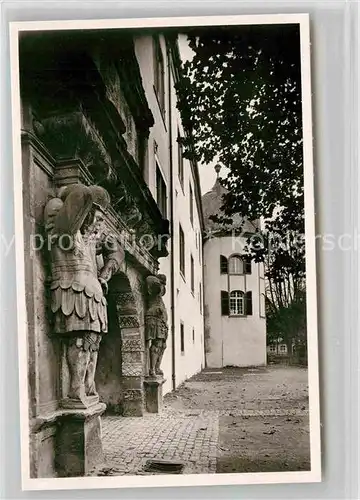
236 302
235 265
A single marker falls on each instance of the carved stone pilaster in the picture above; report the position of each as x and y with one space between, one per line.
132 371
132 355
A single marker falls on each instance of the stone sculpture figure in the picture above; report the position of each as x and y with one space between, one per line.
156 322
74 223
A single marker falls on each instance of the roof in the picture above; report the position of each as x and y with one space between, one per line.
212 202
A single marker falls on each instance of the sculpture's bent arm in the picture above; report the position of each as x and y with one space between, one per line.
113 255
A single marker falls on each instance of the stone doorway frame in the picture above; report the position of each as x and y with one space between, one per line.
123 311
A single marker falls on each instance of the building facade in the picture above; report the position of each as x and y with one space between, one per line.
180 197
234 293
99 108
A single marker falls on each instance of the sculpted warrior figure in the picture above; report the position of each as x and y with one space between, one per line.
74 223
156 322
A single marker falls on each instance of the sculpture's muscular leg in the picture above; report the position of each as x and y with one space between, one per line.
90 388
78 360
154 350
161 350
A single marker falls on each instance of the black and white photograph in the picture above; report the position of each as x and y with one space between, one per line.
165 243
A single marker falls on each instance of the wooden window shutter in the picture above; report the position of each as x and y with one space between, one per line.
248 304
224 303
223 265
247 265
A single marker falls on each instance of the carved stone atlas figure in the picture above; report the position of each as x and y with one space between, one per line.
156 322
74 224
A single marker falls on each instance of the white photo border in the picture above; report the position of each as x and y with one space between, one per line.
314 475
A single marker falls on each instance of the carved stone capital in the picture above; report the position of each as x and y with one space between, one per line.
72 171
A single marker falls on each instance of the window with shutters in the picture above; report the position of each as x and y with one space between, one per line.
247 265
223 264
236 303
249 310
236 265
224 303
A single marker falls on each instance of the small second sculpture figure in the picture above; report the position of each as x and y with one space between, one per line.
156 322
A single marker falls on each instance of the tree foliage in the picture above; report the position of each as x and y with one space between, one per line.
287 325
240 98
288 322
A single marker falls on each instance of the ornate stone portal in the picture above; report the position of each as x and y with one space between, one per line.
76 130
156 333
132 354
74 222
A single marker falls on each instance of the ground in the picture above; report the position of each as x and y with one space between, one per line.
229 420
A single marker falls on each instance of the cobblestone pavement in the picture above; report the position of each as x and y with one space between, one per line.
231 420
184 436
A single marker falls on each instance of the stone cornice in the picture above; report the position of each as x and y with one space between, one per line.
45 161
77 120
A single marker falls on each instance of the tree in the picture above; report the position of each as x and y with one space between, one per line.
240 98
288 323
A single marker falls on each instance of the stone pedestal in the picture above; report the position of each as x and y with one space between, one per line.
154 393
78 443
